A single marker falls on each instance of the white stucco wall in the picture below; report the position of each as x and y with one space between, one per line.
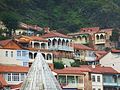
97 85
111 60
9 59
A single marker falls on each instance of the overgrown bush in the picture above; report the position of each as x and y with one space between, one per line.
58 65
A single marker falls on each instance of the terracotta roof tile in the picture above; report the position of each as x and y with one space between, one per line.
4 68
100 69
101 52
4 42
55 34
115 51
69 71
90 29
82 47
38 38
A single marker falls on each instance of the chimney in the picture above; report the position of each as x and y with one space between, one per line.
47 29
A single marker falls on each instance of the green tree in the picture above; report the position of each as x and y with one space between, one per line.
58 65
11 21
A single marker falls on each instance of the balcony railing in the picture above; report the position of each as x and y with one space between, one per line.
110 84
59 47
73 85
100 41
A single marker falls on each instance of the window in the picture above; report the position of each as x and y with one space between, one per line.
24 53
93 78
22 76
70 79
98 78
9 77
25 63
6 53
18 53
15 76
11 53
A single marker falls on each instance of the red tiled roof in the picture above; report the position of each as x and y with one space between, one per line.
71 70
115 51
38 38
90 29
54 34
4 68
27 27
2 81
4 42
81 47
101 52
100 69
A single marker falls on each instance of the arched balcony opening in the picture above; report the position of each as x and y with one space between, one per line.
101 36
59 41
36 45
63 42
35 54
74 38
43 55
84 38
54 42
49 42
49 57
97 37
114 78
67 43
79 38
31 55
43 45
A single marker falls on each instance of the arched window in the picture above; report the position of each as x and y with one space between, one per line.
35 55
67 43
43 45
63 42
97 37
36 45
54 42
59 41
49 57
49 42
84 38
30 55
101 36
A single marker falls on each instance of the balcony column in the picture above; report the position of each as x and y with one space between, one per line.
32 44
66 79
39 45
75 81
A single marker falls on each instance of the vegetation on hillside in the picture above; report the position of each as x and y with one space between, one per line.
65 15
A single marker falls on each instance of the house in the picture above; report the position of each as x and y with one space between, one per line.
12 75
111 59
60 45
29 30
102 39
94 37
103 78
34 44
70 78
12 53
84 53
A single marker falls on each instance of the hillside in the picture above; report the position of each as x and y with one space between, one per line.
65 15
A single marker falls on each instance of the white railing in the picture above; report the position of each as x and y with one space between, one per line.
59 47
